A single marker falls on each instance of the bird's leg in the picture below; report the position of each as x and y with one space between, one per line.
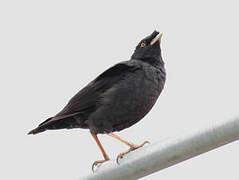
101 149
131 145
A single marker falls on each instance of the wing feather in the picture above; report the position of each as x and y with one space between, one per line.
87 100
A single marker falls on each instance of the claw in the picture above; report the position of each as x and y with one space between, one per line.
132 148
120 156
145 142
96 163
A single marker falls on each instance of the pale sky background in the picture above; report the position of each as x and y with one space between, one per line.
50 49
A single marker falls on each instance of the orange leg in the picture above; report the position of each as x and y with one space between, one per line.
131 145
101 149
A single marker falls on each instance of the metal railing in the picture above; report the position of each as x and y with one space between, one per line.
160 155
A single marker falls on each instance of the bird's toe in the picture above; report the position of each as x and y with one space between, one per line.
145 142
132 148
120 156
97 163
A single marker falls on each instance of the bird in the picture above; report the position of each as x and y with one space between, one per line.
117 99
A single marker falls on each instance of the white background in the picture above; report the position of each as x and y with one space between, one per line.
50 49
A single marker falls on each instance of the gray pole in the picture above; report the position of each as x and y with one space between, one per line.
160 155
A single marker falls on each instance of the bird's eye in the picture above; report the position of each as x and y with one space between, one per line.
142 45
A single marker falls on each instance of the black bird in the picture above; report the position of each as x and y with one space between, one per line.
118 98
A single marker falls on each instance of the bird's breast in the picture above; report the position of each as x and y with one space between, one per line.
128 101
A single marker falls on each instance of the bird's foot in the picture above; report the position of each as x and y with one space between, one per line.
132 148
98 162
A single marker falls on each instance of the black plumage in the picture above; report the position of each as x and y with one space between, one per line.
117 98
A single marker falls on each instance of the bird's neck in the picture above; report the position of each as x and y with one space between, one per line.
154 61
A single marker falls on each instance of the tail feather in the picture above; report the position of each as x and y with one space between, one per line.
36 130
40 128
58 122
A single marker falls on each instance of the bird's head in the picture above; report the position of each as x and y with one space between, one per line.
148 49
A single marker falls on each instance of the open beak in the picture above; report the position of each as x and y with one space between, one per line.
157 38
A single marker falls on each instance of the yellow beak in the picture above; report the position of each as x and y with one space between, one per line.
157 38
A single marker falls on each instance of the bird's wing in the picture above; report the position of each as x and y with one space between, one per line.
87 100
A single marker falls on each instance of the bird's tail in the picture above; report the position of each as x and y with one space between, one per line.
42 127
36 130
